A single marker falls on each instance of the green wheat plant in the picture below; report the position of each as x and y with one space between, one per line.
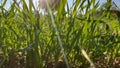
76 36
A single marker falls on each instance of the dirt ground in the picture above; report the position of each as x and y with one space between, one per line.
18 61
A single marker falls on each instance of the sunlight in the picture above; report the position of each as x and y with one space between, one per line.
58 35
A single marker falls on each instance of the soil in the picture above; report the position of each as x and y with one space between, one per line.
18 62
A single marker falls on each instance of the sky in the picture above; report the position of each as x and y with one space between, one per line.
70 2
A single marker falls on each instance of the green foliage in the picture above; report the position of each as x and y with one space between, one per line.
42 37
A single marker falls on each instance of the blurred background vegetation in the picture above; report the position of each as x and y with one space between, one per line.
85 35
